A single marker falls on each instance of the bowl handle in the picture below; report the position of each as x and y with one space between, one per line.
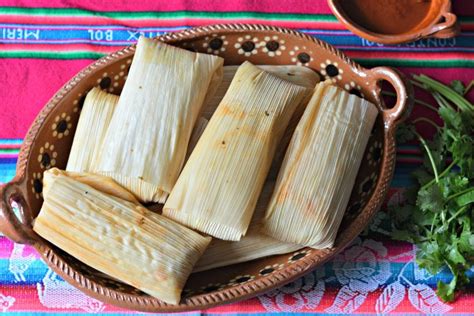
403 89
447 29
10 225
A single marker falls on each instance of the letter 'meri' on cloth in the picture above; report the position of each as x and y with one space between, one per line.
145 145
218 188
320 167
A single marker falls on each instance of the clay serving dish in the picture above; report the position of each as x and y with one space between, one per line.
48 142
438 22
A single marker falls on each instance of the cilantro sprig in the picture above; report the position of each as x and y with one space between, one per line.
438 215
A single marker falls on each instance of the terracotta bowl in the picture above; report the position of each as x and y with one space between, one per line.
439 22
48 142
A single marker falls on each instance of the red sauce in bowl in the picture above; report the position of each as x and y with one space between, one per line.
386 16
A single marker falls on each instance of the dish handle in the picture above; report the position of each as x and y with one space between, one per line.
448 28
16 228
403 88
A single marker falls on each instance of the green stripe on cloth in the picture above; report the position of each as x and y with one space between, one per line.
369 62
51 55
9 151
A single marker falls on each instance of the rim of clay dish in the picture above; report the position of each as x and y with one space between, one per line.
431 26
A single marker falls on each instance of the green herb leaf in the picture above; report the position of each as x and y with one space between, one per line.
451 117
452 183
466 198
466 239
439 210
458 86
454 255
430 199
430 257
437 150
405 133
446 291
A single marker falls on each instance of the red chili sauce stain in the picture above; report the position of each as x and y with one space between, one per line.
386 16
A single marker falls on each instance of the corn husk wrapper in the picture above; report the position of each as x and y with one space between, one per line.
198 129
201 124
299 75
319 170
95 118
145 145
119 238
99 182
252 246
218 188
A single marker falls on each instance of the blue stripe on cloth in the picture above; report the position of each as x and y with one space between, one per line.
402 177
398 270
11 141
161 28
34 274
120 36
8 161
7 169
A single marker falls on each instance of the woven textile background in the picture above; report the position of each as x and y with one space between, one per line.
44 43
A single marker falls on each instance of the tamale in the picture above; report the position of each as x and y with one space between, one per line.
145 145
119 238
198 129
319 169
299 75
95 117
252 246
218 188
99 182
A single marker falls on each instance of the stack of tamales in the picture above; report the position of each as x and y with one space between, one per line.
200 137
212 194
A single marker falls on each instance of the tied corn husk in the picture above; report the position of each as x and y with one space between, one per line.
218 188
252 246
99 182
119 238
319 169
95 117
145 145
299 75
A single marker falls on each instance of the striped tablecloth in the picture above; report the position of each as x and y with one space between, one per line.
44 44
